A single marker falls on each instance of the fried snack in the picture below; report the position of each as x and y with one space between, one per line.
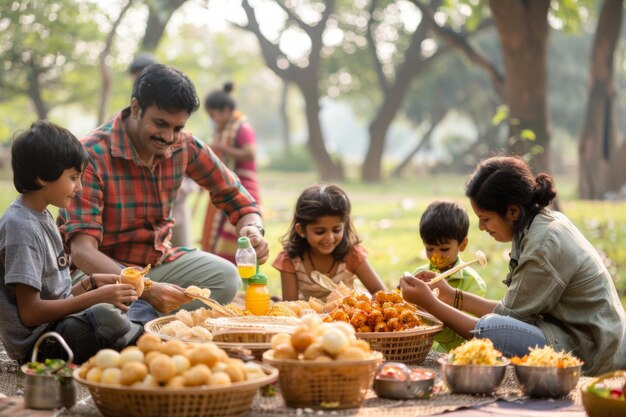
193 291
386 312
185 316
134 275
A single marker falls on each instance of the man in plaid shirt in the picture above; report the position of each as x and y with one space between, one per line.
123 215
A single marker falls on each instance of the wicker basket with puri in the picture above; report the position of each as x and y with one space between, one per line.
322 365
172 379
248 332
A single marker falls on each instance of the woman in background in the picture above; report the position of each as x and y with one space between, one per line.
234 142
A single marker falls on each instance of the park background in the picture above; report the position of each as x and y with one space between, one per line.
395 101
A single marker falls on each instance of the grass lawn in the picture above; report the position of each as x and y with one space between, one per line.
387 216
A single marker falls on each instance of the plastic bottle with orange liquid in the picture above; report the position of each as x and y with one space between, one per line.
257 295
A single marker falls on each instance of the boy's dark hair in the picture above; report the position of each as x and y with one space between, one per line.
44 151
319 201
220 99
503 181
165 87
442 221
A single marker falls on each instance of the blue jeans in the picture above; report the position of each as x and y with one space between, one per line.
100 326
510 336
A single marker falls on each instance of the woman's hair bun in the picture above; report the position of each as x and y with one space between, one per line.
544 190
228 87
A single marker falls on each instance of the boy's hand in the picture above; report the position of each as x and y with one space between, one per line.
119 295
106 279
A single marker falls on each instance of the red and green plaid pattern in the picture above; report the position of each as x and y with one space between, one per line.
127 206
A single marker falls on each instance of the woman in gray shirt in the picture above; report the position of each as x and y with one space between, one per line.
559 290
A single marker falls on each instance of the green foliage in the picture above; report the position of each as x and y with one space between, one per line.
46 49
298 160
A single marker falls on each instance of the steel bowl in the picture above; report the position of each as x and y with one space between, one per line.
406 385
547 382
472 379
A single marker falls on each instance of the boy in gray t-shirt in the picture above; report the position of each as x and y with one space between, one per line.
36 293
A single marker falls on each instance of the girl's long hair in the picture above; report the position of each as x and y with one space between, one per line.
319 201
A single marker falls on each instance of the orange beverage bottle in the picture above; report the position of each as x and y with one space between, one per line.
258 295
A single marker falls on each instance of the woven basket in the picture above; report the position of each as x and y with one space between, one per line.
324 385
407 346
597 406
255 340
231 401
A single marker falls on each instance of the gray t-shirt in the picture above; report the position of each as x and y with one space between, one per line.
561 285
31 253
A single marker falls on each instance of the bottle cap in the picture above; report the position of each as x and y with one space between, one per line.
259 278
244 243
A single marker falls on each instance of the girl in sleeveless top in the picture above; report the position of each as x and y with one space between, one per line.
322 241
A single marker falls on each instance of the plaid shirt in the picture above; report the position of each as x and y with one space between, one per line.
127 206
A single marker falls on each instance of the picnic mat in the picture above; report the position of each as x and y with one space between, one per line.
510 401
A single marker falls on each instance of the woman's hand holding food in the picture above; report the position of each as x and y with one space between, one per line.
446 292
417 292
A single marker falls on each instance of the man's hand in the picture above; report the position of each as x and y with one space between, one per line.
258 242
166 297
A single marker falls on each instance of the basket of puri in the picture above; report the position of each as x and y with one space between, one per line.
397 329
157 384
323 368
251 333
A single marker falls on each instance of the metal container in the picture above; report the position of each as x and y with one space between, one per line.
472 379
48 392
547 382
405 386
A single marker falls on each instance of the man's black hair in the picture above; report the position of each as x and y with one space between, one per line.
44 151
165 87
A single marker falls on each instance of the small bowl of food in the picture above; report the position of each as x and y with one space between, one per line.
546 373
475 367
395 380
605 396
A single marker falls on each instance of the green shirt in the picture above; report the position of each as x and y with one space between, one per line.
467 280
558 282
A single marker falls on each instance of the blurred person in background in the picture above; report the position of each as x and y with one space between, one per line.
234 143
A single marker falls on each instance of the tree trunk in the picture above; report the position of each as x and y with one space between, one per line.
523 33
434 122
284 118
159 13
598 157
104 68
392 100
34 91
328 169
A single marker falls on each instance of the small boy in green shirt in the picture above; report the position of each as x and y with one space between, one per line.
443 229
